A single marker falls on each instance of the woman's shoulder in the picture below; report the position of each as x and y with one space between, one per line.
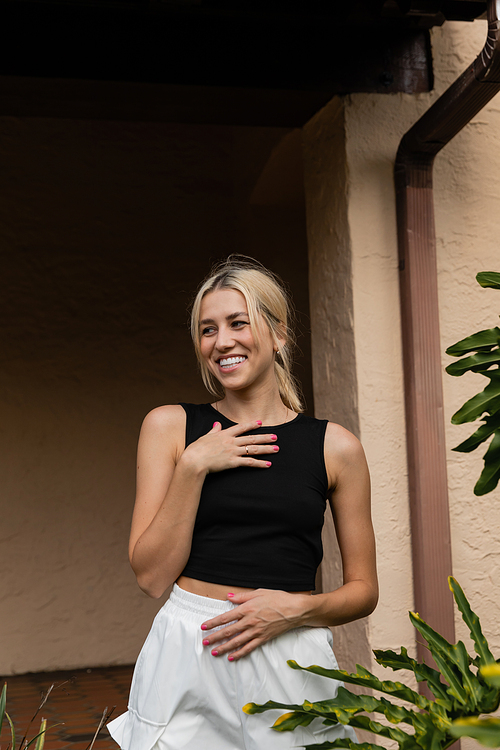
342 447
165 419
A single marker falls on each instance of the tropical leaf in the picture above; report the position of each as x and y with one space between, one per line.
480 341
446 657
256 708
491 425
366 679
490 475
491 673
489 279
288 722
475 363
472 621
486 731
474 408
344 742
422 672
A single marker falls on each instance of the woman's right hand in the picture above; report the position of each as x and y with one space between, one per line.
227 449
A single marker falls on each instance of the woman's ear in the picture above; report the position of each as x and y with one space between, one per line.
281 337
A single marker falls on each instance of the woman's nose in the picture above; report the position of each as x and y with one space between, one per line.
225 338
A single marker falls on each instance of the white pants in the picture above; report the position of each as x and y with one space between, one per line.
183 698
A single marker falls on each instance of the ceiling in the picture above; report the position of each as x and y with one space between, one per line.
272 62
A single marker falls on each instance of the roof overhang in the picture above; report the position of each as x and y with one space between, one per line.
273 62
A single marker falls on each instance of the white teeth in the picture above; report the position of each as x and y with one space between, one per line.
230 361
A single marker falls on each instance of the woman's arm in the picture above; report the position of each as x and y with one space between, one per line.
263 614
169 483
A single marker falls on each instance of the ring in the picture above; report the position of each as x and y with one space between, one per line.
246 448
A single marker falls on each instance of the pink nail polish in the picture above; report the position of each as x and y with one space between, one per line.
230 595
268 463
206 642
274 437
275 448
230 658
215 653
204 627
214 424
259 421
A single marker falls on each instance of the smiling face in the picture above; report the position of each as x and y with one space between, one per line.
235 354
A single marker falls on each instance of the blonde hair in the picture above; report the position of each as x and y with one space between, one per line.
269 303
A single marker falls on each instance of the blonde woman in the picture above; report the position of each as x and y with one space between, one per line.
229 509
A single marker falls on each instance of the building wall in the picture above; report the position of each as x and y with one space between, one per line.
107 228
359 221
333 347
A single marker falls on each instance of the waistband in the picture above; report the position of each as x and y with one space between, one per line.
201 605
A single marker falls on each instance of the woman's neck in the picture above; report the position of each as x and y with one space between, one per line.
268 407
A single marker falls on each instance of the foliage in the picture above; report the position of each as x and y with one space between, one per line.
38 739
483 356
459 686
485 730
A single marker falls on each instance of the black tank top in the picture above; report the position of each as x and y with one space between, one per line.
261 528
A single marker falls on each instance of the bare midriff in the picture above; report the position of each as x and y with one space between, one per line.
215 590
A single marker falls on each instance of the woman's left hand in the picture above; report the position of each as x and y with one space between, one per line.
260 616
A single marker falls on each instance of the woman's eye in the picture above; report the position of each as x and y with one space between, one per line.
239 323
207 331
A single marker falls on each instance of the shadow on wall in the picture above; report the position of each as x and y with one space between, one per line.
107 229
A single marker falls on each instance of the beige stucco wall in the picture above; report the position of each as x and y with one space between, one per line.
106 229
333 348
467 199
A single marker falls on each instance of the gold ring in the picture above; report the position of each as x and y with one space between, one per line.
246 448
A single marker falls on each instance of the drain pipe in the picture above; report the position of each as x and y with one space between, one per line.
428 487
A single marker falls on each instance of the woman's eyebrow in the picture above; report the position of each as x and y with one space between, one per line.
232 316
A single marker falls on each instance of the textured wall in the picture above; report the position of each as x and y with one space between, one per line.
332 333
467 197
354 285
106 228
467 181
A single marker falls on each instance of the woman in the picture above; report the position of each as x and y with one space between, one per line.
229 509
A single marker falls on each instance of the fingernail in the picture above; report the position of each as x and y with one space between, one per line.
215 653
259 421
268 463
274 437
230 595
230 658
204 627
275 448
214 424
206 642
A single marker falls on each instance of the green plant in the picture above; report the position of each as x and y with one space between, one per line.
484 730
483 350
39 738
458 686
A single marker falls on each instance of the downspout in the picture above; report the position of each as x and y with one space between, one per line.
428 487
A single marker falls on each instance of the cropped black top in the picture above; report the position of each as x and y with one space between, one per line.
261 527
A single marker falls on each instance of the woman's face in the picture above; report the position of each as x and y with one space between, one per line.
228 345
